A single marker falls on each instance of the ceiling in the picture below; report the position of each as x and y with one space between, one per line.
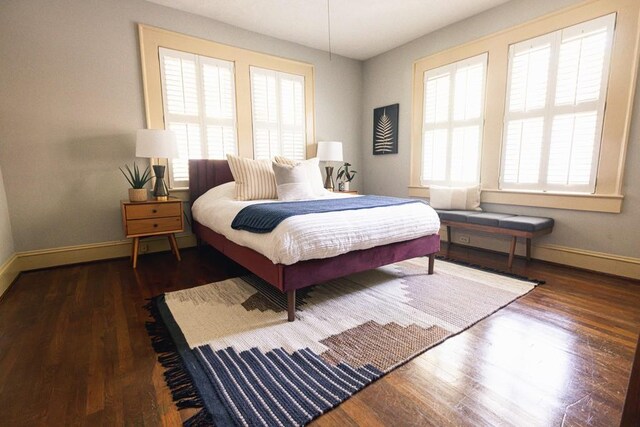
360 29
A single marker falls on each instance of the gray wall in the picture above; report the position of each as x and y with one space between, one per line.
6 238
388 79
72 100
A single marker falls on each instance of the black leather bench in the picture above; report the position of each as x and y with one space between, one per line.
515 226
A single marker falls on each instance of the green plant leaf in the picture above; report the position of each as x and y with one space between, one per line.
134 177
345 174
126 177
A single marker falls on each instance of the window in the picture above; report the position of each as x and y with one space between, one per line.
558 110
222 99
555 101
278 114
453 122
199 106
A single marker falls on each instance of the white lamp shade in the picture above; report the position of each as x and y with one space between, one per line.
158 143
329 151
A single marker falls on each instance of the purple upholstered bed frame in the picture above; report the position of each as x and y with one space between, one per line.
206 174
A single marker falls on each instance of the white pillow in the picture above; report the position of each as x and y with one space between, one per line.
460 198
292 182
314 176
254 178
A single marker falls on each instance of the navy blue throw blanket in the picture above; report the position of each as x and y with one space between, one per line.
264 217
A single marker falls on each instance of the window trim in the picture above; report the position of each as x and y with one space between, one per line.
608 196
152 38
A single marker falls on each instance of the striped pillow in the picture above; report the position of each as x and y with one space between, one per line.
285 161
254 178
457 198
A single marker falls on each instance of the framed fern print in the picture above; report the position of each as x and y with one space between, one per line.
385 129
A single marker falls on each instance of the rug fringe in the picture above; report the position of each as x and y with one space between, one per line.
490 270
201 419
183 391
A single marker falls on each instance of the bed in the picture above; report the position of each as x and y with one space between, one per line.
207 174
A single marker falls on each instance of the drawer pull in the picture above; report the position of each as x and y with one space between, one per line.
154 211
155 225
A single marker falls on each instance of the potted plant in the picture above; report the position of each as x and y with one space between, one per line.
345 176
137 180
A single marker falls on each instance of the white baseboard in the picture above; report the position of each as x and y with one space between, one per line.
33 260
590 260
617 265
8 273
44 258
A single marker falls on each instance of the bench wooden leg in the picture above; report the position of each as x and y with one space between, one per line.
449 234
432 258
512 250
528 249
291 305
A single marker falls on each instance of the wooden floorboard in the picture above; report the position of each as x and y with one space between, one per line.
74 351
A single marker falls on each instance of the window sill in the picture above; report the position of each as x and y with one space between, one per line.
610 203
181 193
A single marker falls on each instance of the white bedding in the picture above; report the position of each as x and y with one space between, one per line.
314 236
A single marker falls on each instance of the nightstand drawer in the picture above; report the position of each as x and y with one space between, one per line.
152 210
154 225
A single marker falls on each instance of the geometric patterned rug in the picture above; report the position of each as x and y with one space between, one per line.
228 348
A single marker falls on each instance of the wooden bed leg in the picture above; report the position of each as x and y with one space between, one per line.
291 305
449 234
512 250
528 249
432 258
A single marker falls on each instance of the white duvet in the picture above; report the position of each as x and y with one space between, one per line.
320 235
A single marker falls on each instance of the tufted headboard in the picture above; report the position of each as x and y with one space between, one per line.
206 174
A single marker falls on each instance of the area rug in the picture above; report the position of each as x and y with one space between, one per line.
228 349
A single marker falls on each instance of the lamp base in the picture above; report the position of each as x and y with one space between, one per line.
160 191
328 182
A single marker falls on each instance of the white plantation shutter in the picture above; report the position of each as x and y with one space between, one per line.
278 107
555 106
523 148
453 122
188 138
199 106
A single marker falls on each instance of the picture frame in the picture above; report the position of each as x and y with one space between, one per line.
385 129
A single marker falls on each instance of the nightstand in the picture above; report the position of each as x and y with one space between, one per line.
152 218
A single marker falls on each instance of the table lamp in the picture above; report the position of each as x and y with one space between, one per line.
329 151
157 143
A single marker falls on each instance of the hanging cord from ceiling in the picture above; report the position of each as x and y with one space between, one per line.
329 27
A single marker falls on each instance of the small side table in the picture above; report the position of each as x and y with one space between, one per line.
152 218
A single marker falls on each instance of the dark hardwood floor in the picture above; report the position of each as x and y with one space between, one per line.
74 351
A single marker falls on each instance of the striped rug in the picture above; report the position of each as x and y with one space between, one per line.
228 349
